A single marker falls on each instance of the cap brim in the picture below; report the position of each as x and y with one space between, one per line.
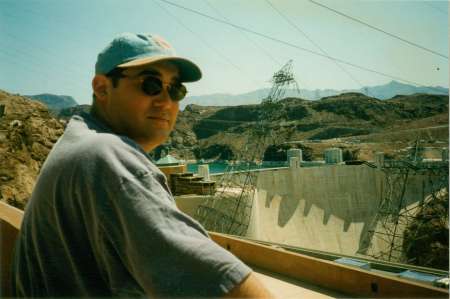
188 71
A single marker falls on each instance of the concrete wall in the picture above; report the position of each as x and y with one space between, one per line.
239 177
324 208
189 203
331 208
418 191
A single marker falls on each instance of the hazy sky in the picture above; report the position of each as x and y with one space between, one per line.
50 46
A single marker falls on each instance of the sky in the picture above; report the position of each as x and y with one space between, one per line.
51 46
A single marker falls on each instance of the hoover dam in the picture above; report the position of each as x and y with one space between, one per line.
344 209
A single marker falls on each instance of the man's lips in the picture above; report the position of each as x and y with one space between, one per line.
161 118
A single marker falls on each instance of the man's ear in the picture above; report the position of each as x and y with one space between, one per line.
100 87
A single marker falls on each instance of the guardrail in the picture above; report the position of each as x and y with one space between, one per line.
323 273
327 274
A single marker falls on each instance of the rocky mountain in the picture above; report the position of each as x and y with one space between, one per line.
243 131
394 88
381 92
27 133
55 102
28 130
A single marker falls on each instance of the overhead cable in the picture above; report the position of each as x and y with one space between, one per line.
315 44
32 66
199 37
49 52
435 8
245 36
238 68
293 45
380 30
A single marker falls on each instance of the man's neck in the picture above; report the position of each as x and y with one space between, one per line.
98 115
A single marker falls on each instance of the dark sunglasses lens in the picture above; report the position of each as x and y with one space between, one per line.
152 86
177 92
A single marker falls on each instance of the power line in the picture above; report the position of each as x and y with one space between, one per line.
59 19
315 44
380 30
49 52
200 38
33 59
204 41
32 65
435 8
245 36
248 38
294 46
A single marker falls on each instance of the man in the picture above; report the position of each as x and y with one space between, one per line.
101 220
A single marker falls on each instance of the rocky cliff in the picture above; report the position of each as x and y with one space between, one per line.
27 133
205 132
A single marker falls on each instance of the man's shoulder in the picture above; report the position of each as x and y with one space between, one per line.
84 136
101 143
85 145
111 149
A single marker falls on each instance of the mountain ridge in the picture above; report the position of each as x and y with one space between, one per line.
54 102
381 92
350 115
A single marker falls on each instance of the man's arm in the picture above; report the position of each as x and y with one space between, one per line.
250 287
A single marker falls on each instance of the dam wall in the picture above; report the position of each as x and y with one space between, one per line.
331 208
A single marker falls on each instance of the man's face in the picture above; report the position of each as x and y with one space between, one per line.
130 111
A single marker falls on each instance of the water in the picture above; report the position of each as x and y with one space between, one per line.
220 167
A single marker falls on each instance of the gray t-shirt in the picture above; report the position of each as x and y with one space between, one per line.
102 222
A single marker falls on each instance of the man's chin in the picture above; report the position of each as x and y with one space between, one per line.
158 137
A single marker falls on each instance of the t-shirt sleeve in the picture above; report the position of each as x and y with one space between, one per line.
167 252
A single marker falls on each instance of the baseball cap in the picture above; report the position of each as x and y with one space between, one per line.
130 49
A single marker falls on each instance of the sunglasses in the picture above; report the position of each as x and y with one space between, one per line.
153 86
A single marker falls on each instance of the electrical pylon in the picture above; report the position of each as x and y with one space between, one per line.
229 210
395 212
281 81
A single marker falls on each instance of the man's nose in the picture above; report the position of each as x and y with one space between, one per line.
163 100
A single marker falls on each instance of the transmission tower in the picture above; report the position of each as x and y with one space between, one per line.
395 212
229 210
281 81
